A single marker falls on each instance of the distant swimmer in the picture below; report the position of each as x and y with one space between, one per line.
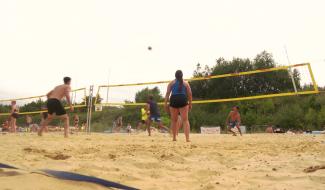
179 96
154 115
233 120
55 107
14 114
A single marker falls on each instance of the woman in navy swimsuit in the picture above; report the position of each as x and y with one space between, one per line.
179 96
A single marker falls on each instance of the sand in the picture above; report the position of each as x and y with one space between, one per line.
259 161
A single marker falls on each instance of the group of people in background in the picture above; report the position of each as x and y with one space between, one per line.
10 124
178 103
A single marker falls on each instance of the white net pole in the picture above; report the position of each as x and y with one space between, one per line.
290 71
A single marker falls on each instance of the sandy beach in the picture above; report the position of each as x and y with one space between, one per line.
259 161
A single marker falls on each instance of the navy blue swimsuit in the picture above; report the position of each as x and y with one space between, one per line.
178 99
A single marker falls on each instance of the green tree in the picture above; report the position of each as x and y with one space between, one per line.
321 117
311 119
290 116
142 95
246 85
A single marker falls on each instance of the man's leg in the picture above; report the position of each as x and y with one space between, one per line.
230 130
238 127
44 123
65 119
149 126
161 126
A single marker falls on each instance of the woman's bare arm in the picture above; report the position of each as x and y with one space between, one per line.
168 93
189 94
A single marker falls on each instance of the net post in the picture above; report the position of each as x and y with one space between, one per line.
293 80
290 71
89 108
313 78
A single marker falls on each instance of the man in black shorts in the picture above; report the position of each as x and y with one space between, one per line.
55 107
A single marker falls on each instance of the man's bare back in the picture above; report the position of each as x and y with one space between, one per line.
59 92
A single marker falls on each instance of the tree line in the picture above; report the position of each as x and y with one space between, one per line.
305 112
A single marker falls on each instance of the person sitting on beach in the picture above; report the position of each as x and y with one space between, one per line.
129 128
83 126
76 122
44 116
233 120
5 126
269 129
278 130
29 120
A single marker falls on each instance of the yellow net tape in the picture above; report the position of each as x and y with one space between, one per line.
43 96
315 91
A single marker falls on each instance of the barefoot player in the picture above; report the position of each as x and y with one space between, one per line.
233 120
154 116
55 107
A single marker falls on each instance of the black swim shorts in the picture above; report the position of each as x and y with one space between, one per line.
178 101
55 106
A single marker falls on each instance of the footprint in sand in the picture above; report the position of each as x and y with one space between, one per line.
58 156
34 150
54 156
313 168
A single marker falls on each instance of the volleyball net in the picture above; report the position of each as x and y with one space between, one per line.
37 104
280 81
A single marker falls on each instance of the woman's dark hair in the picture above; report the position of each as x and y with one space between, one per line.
179 78
66 80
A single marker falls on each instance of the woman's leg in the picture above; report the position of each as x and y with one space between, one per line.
174 116
186 123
